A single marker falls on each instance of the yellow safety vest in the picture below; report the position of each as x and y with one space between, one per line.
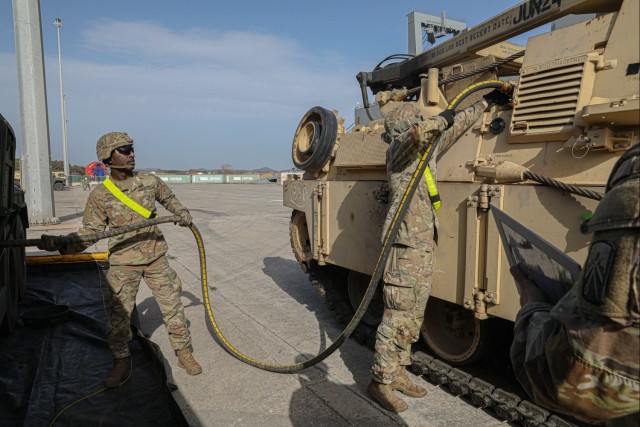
133 205
434 196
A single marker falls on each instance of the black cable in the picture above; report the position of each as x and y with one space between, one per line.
90 238
573 189
472 73
403 56
482 69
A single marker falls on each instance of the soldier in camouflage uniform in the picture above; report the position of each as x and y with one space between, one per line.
407 277
134 255
581 356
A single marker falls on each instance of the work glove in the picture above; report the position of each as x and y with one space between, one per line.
448 115
48 243
185 219
497 97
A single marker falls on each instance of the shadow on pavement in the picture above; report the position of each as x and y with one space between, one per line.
319 394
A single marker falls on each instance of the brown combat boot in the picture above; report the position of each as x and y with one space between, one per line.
187 362
384 395
119 373
404 385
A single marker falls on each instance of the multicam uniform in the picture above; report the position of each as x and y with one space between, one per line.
581 356
407 278
135 255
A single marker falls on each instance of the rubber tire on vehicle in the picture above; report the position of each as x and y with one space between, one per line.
357 284
451 343
314 139
58 186
300 241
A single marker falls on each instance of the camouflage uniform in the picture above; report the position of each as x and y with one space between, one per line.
135 255
580 357
407 278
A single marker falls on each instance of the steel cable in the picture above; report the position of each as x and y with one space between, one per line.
573 189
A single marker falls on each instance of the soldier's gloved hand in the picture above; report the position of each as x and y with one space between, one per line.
448 115
48 243
529 291
497 97
71 246
185 219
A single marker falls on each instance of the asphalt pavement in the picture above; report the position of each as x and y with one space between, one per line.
268 310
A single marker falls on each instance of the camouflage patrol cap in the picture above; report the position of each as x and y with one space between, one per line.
109 142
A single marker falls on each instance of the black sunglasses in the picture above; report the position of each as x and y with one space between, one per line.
126 150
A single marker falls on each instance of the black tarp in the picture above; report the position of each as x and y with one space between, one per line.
45 368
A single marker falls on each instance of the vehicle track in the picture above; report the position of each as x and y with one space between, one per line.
488 384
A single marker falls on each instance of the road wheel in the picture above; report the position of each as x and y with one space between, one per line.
357 284
300 241
453 333
58 186
314 139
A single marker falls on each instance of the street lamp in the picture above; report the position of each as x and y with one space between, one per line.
65 157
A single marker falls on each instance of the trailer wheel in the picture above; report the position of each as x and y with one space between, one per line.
300 242
314 139
357 284
453 333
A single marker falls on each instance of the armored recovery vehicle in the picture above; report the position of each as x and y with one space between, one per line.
575 110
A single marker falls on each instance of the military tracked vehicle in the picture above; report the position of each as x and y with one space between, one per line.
575 110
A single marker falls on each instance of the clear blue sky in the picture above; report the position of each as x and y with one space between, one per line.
200 83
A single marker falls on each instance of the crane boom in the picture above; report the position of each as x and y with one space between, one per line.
514 21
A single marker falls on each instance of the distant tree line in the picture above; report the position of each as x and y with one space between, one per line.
58 166
225 169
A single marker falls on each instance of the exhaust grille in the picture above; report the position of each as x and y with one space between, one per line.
547 100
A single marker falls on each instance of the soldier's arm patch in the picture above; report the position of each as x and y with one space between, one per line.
596 271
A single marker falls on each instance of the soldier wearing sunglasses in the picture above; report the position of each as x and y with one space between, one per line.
124 199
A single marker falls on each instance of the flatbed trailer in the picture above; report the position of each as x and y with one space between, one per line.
53 364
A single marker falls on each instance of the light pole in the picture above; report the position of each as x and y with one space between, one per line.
65 157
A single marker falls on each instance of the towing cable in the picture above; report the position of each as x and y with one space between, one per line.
388 240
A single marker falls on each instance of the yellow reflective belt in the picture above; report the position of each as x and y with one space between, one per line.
433 189
133 205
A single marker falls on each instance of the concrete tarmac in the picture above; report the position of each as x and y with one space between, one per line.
267 309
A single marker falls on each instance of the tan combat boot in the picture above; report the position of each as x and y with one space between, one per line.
404 385
119 373
187 362
384 395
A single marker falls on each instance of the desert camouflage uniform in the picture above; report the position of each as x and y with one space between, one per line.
407 278
135 255
582 356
